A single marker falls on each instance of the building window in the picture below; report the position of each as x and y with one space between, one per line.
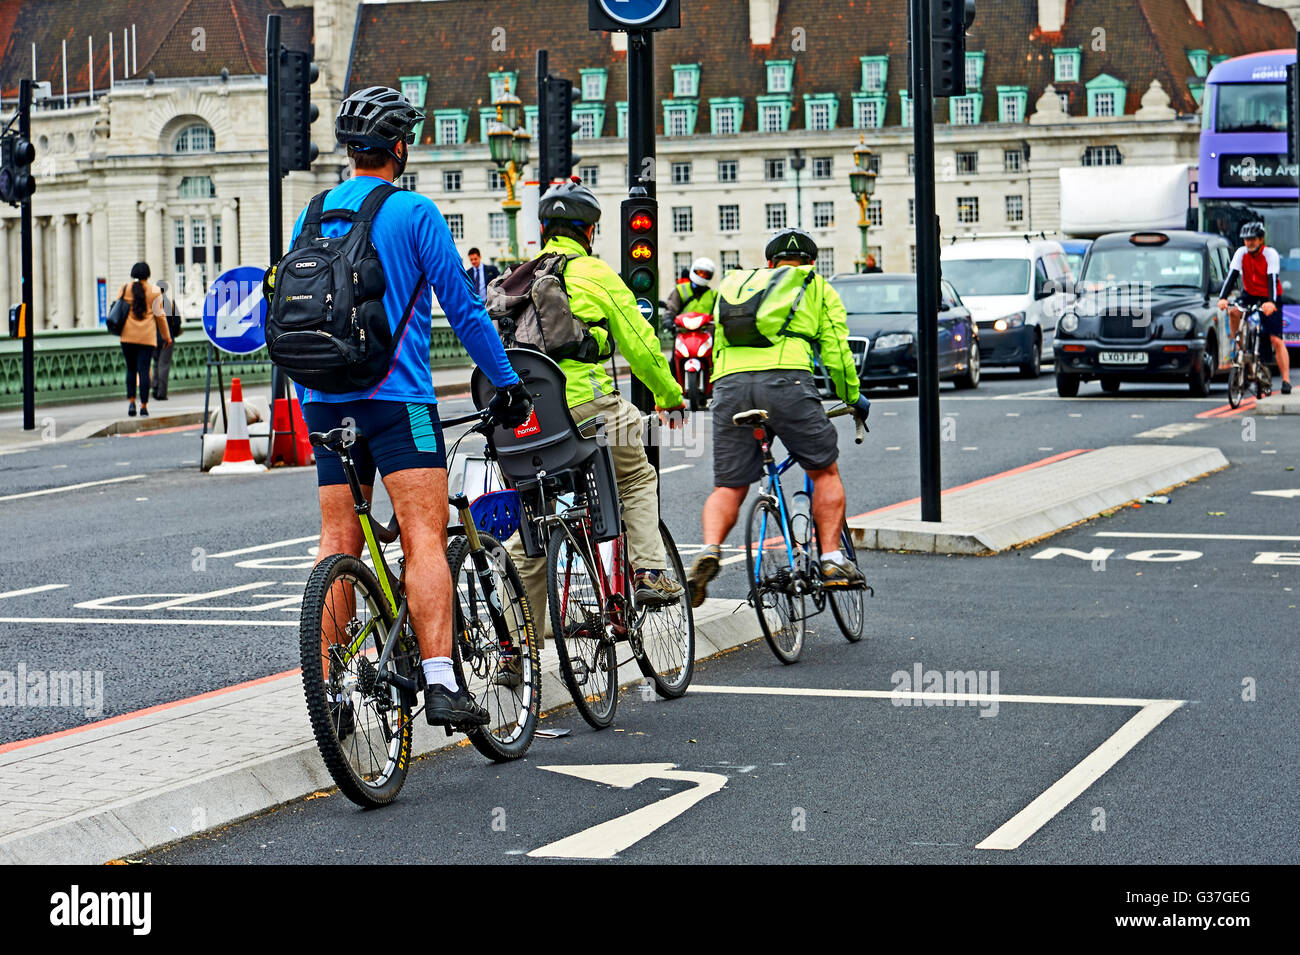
686 80
726 170
724 122
683 219
911 164
974 70
1065 65
1064 97
1012 160
730 260
779 75
873 163
679 120
868 112
825 263
197 187
681 173
413 88
681 264
964 110
771 116
911 258
497 226
823 215
587 126
726 113
448 131
496 180
775 216
1102 156
1015 209
456 223
819 116
968 162
773 169
874 71
728 218
590 175
449 126
1011 103
822 167
620 110
500 82
530 121
968 209
451 180
1103 104
593 85
195 138
905 107
408 181
1200 60
875 213
911 211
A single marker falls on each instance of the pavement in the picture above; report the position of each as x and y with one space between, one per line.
1278 403
1031 502
142 780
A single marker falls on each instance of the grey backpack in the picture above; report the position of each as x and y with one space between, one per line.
530 307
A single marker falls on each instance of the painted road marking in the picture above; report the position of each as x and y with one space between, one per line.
261 547
606 840
165 621
71 487
1198 537
1288 492
31 590
1173 429
1013 833
1228 411
675 467
1025 394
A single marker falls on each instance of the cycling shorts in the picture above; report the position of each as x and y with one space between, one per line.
795 415
391 436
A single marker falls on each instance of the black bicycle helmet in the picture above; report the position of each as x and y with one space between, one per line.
376 118
791 243
569 200
1252 230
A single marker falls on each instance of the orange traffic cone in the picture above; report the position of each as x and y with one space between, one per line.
238 457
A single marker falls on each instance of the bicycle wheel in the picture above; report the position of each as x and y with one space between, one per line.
781 612
362 726
849 607
667 634
506 681
588 663
1236 385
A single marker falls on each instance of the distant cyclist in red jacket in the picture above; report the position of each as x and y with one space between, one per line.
1259 266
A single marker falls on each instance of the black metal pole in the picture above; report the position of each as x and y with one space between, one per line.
25 241
543 173
927 258
274 174
641 172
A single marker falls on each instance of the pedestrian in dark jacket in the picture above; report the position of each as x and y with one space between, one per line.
162 358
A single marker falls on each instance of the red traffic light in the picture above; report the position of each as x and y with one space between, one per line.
641 222
641 251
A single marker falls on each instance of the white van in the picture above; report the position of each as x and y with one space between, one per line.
1016 289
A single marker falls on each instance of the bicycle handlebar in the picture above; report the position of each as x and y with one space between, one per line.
859 424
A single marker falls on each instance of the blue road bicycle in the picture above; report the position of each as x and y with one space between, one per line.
783 554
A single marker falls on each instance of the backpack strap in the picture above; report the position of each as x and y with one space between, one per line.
315 212
794 307
376 198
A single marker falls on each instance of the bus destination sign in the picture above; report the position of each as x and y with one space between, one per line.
1257 170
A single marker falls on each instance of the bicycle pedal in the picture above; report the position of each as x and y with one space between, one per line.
450 731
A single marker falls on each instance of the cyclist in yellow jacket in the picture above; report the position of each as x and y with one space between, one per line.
768 322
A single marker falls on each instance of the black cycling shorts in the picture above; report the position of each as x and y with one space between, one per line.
391 436
1271 324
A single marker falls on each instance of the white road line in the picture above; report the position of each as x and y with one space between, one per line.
1197 537
917 695
730 560
675 467
1012 833
272 546
1025 394
71 487
118 621
31 590
1174 429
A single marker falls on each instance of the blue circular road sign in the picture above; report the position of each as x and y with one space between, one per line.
633 12
234 312
647 309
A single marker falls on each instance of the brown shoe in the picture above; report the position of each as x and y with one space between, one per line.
840 573
705 567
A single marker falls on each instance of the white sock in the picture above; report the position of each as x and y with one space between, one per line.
835 556
438 671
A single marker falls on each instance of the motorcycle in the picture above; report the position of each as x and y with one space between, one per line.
693 357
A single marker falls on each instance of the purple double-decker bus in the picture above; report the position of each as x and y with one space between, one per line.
1244 175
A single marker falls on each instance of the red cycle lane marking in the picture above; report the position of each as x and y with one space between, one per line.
179 427
1227 411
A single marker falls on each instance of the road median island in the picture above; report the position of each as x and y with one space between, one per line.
1278 404
1027 504
143 780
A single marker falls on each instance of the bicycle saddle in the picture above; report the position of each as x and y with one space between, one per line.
749 419
335 440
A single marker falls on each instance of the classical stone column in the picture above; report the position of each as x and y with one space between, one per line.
88 314
209 266
64 272
229 234
153 236
40 319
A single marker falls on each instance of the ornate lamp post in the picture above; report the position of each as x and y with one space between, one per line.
508 146
862 180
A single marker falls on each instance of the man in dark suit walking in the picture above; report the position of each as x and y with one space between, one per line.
479 274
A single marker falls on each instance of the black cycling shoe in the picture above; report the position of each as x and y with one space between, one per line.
444 707
1286 387
342 719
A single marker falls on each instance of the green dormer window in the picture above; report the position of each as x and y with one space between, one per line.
487 115
974 70
1065 64
905 108
686 80
1106 95
820 110
1197 89
530 120
875 73
679 117
590 120
869 110
774 112
413 88
449 126
593 85
965 110
1011 103
1217 59
500 80
780 76
620 109
726 113
1200 60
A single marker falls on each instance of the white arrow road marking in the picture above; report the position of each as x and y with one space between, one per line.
71 487
31 590
260 547
1289 492
607 839
231 322
1197 537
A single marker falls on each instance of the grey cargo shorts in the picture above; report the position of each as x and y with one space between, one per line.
795 415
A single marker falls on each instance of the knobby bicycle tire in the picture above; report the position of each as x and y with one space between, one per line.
588 661
781 613
667 656
478 657
370 763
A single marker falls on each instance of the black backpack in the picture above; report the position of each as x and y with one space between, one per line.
326 326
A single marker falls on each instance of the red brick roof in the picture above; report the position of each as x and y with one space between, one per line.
234 37
451 43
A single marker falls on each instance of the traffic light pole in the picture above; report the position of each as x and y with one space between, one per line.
29 355
276 215
927 257
641 173
543 171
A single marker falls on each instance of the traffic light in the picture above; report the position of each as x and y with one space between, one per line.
641 247
16 180
557 115
297 111
1292 115
949 21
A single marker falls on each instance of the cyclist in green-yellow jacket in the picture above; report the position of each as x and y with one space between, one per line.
598 296
768 323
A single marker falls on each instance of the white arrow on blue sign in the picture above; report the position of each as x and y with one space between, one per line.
647 308
633 12
234 312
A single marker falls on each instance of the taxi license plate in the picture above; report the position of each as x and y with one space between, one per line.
1123 357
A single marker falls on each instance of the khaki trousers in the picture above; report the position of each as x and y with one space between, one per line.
638 491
